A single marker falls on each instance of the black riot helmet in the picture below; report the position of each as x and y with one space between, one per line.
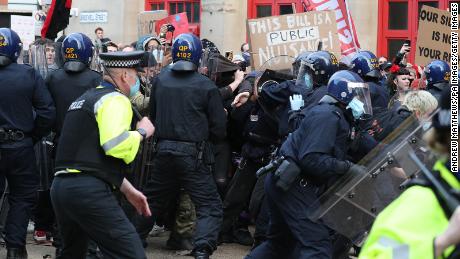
316 69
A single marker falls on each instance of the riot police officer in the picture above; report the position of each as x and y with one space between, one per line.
75 78
437 76
187 110
312 158
365 64
95 145
66 85
27 113
314 73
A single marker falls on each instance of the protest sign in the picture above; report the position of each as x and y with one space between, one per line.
147 20
179 21
433 40
345 26
24 26
289 35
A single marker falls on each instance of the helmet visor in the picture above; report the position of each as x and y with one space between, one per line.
361 95
305 76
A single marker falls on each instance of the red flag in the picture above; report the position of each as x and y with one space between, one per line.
179 21
345 27
57 18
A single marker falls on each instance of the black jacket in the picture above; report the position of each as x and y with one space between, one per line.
186 106
25 103
66 87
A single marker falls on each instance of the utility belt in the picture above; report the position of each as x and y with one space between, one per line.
286 172
203 149
11 135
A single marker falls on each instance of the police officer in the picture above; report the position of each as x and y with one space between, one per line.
27 113
365 64
95 145
66 85
75 78
416 224
313 157
187 110
315 71
437 76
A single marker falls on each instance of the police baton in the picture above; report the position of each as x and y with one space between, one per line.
449 200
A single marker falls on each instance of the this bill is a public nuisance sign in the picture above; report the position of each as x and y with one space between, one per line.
289 35
434 38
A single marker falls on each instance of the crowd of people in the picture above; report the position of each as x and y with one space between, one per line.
135 139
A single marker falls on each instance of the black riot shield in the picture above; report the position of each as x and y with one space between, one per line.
351 205
143 164
44 150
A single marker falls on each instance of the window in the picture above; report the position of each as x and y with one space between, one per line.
394 45
398 21
192 8
286 9
397 16
160 6
264 8
264 11
196 12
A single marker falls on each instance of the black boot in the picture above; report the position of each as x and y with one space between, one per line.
16 253
201 253
176 242
242 236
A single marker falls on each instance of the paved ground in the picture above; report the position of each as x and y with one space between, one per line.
155 250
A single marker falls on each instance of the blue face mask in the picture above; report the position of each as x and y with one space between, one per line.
135 88
357 108
308 81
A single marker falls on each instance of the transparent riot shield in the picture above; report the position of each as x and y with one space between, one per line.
273 64
37 58
272 74
353 202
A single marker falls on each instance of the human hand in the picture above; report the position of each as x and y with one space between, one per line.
451 236
241 99
404 49
147 125
239 76
136 198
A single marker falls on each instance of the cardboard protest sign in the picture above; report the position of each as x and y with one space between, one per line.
290 35
433 40
147 20
179 21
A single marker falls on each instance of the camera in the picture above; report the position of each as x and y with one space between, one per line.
170 28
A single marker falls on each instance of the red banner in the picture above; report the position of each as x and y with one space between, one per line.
179 21
346 29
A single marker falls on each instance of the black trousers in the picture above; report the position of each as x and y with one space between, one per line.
86 208
239 192
18 166
176 166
